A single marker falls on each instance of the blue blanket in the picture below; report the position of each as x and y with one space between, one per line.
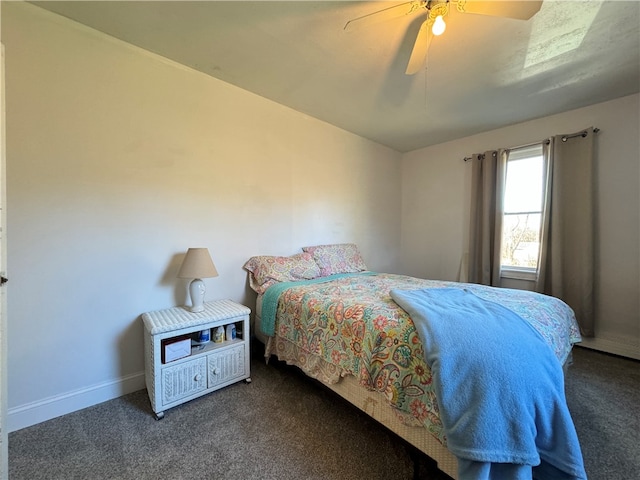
272 295
499 386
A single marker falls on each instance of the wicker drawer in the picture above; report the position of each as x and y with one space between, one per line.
226 365
183 380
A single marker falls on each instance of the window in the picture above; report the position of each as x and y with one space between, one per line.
521 223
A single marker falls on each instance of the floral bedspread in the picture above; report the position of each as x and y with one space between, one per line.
354 326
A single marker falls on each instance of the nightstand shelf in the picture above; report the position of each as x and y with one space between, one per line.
201 369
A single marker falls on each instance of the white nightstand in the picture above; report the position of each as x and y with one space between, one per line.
206 367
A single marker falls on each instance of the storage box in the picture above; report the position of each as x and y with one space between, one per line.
175 348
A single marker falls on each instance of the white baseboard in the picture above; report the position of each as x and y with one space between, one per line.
616 346
52 407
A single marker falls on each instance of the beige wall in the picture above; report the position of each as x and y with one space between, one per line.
117 162
435 209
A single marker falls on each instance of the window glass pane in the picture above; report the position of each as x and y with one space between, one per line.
520 240
523 192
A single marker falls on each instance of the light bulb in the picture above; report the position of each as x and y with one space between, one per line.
439 26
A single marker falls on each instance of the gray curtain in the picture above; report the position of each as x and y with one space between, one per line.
487 186
567 236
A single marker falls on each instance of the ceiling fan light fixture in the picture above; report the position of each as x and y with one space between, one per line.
439 26
437 12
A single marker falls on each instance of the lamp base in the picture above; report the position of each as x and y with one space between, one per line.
196 291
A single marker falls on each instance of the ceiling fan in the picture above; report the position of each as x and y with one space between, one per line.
434 24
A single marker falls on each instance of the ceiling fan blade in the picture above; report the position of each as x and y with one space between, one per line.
420 48
522 10
385 14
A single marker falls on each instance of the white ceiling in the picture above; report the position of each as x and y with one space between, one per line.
482 73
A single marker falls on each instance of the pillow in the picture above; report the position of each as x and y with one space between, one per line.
266 270
337 258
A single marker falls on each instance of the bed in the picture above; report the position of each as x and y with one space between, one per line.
341 324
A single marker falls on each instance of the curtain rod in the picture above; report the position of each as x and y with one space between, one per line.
582 134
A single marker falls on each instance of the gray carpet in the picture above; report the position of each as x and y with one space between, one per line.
603 394
285 426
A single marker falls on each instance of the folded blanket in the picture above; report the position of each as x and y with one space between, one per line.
499 386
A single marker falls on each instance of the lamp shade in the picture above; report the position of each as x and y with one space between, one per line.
197 263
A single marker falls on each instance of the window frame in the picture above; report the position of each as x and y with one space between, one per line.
522 272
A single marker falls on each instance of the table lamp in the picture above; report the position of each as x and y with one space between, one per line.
197 264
